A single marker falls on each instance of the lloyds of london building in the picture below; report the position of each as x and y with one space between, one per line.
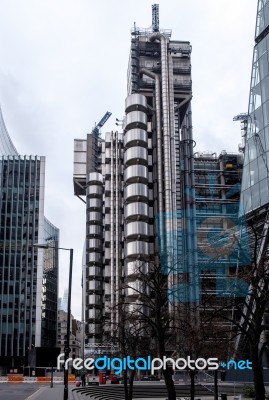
150 195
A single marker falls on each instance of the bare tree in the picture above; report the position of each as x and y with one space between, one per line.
132 340
244 312
148 305
174 327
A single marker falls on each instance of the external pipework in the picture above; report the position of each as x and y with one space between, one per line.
187 194
112 303
159 153
193 208
173 216
189 184
172 132
117 224
166 136
192 183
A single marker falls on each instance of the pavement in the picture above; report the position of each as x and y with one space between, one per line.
57 391
45 392
81 397
54 393
145 394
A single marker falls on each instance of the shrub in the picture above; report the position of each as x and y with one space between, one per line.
249 391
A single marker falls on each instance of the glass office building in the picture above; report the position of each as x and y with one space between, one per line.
28 278
254 199
50 286
255 181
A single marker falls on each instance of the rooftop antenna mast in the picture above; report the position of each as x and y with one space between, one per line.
155 17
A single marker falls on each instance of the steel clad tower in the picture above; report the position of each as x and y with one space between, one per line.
139 184
158 147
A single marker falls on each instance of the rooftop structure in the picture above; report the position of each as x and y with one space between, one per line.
7 148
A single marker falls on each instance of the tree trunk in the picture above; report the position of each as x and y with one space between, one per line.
216 395
131 384
125 383
257 374
192 376
169 383
128 387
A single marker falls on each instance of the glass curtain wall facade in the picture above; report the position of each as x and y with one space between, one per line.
255 181
254 197
21 197
50 286
28 277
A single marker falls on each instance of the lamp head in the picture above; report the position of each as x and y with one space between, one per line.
41 246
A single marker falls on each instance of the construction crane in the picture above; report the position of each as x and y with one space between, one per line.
241 117
96 129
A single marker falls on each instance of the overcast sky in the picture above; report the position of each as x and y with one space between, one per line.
64 64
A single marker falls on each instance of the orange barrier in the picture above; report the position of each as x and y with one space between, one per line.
71 378
19 378
43 379
15 378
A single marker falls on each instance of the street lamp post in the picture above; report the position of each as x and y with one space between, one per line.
67 340
67 343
